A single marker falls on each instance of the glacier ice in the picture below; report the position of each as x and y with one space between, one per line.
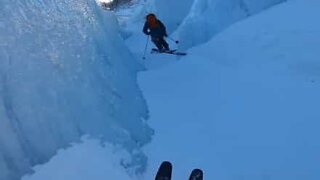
209 17
173 12
194 22
64 72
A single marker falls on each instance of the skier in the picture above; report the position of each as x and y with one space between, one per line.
157 31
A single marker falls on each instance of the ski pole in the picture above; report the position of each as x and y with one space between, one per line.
173 40
145 49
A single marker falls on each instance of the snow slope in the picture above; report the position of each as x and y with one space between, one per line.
65 72
244 105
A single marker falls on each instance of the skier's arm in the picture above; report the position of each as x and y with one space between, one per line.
146 28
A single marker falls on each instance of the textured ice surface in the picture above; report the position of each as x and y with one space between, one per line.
64 72
209 17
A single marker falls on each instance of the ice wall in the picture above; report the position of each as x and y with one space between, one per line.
64 72
209 17
173 12
170 12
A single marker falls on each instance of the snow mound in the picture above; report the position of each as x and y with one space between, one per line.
89 160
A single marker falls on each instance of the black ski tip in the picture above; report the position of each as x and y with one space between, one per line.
166 163
164 171
196 174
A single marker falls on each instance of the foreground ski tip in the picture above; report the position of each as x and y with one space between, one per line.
164 171
196 174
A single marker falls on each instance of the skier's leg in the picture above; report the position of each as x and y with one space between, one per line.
164 44
157 42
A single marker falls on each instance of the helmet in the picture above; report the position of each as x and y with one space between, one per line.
152 21
151 17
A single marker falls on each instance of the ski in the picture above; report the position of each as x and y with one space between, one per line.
164 171
196 174
174 52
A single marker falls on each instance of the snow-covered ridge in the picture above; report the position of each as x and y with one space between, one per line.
64 72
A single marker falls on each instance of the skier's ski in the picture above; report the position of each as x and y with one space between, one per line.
164 171
174 52
196 174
